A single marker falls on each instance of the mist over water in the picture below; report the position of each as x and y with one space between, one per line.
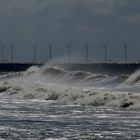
55 102
57 83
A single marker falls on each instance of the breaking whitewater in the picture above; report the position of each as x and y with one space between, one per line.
55 102
72 87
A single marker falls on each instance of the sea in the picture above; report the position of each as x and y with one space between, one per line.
54 102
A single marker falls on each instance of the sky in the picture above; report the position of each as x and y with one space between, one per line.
25 23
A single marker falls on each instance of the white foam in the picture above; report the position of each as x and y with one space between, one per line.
83 96
33 85
134 78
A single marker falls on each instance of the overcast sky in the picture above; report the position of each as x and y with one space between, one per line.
76 22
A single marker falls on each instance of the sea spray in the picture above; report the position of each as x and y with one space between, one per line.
133 79
70 87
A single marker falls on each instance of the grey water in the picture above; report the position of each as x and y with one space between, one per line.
37 120
52 103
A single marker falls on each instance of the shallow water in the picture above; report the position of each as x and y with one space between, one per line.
38 120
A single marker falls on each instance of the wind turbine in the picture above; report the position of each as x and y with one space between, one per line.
12 53
50 52
34 49
125 52
2 53
105 46
69 52
87 52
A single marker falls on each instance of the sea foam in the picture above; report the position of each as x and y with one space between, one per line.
72 87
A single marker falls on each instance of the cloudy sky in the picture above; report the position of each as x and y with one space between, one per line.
61 22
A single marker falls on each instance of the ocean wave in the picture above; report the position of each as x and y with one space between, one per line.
133 78
69 95
60 75
73 87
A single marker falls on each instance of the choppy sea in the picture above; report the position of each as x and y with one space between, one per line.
55 103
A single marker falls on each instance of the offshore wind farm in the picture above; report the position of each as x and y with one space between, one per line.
104 65
9 53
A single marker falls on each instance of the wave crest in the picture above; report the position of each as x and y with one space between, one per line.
74 87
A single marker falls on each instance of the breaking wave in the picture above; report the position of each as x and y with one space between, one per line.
61 85
133 79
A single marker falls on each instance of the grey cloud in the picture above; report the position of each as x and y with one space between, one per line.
64 21
101 7
84 12
59 8
129 19
20 7
96 7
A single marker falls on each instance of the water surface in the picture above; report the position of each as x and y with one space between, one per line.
40 120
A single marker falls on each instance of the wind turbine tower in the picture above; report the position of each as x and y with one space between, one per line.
34 49
125 52
50 52
105 52
69 53
2 53
12 53
87 52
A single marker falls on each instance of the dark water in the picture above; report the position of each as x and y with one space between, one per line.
39 120
85 105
